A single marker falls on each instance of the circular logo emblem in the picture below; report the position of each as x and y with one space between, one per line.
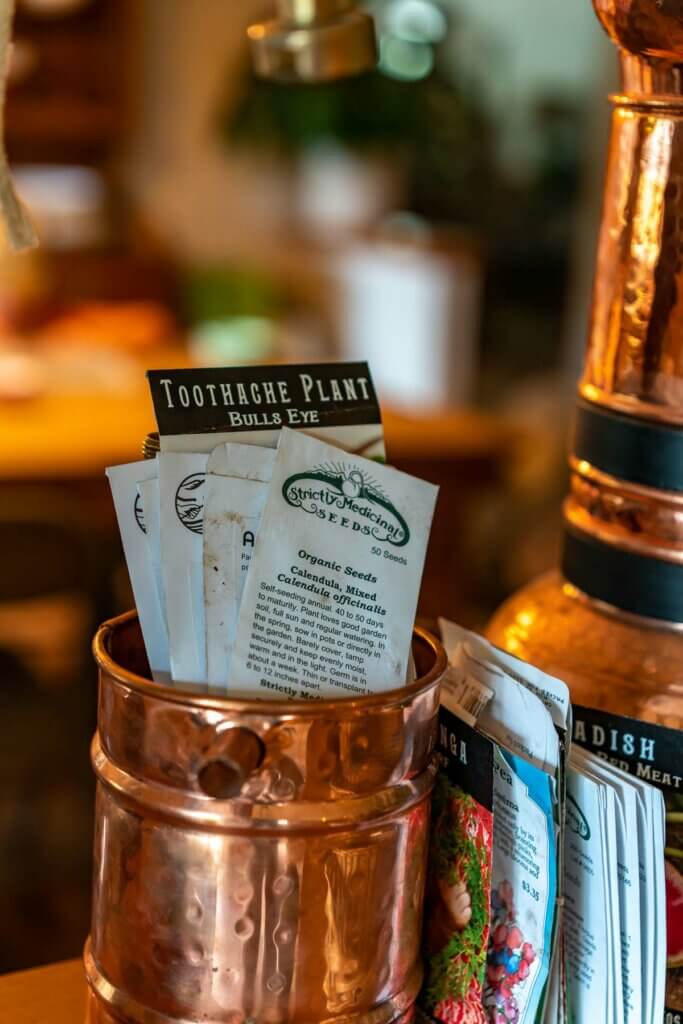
336 488
189 501
139 514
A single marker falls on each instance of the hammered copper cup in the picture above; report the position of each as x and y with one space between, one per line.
257 860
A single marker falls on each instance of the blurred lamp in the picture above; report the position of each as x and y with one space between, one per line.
416 21
313 41
52 8
404 60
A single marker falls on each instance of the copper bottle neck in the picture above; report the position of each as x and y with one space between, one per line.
626 491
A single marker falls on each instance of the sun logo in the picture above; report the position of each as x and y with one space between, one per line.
352 484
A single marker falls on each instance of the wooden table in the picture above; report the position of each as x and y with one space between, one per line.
75 436
64 442
45 995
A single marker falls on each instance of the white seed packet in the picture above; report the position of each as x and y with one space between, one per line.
330 599
646 757
552 691
182 485
236 487
514 716
148 491
592 926
657 886
124 481
627 877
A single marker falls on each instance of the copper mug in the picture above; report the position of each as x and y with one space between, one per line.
257 861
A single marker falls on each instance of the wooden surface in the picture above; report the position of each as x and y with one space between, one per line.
45 995
74 436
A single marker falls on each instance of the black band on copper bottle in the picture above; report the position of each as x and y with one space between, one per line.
649 587
640 451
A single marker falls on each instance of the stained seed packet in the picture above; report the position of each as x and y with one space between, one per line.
125 482
330 597
237 482
149 506
182 485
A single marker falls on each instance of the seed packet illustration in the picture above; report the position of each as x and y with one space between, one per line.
524 890
124 482
198 409
330 599
236 487
456 932
182 487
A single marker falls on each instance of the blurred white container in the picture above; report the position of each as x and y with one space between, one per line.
66 203
412 309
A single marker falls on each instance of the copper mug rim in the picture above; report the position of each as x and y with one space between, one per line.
298 707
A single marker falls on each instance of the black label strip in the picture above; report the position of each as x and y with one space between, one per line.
235 398
649 587
468 756
640 451
651 752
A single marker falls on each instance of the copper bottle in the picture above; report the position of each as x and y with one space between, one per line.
257 861
611 621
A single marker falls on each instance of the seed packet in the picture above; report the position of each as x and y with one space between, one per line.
528 725
554 694
330 598
626 878
124 482
236 486
593 939
198 409
649 757
149 504
182 486
456 934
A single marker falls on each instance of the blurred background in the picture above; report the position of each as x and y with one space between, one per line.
436 217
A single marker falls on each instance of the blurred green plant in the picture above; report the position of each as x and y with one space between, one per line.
440 133
215 293
368 111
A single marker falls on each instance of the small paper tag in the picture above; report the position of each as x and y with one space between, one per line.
468 693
